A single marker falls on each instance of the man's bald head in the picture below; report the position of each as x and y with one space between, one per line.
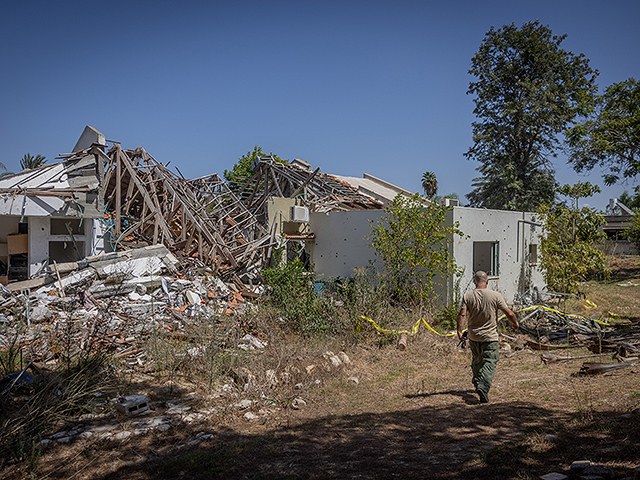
480 278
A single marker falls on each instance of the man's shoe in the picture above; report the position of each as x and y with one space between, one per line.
484 398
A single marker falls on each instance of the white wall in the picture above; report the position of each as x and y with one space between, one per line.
340 244
514 232
40 236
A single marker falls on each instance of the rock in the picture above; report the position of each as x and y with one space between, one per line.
551 438
163 427
250 416
46 443
354 380
255 342
599 471
298 403
335 361
193 298
177 410
243 404
41 313
63 439
345 358
122 435
580 464
299 386
554 476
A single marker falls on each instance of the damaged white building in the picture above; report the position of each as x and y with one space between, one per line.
53 213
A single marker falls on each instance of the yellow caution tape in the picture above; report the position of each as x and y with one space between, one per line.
411 333
416 326
590 303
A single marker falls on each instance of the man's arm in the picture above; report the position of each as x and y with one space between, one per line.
462 316
511 316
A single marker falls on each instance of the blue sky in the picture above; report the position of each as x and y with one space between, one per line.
350 86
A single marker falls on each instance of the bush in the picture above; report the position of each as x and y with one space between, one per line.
293 295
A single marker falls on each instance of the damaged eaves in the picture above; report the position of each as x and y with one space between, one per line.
72 187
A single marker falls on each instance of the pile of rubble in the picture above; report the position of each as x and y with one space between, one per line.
115 299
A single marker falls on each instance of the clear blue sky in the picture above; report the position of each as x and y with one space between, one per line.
350 86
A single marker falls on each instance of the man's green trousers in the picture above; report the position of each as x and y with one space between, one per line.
485 357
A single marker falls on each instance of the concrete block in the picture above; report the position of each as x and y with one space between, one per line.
132 404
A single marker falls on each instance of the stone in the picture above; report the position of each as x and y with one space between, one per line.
244 404
254 341
46 443
599 471
335 361
177 410
345 358
163 427
551 438
250 416
122 435
554 476
298 403
193 298
580 464
63 439
354 380
299 386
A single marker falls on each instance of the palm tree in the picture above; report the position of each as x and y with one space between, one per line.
429 184
5 173
29 162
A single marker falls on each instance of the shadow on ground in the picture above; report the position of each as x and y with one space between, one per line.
499 441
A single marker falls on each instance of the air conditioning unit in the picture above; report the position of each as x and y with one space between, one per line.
450 202
299 214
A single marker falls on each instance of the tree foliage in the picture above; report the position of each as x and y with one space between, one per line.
568 249
242 171
610 137
631 201
429 184
527 90
412 241
30 162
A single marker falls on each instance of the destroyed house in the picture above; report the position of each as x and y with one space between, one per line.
53 213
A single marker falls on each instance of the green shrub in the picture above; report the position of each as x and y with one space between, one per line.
293 295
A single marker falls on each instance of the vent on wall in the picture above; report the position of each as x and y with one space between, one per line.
299 214
450 202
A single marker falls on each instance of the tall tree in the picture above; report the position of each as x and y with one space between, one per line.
527 91
429 184
610 137
30 162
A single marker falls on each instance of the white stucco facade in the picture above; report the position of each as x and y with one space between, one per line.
501 242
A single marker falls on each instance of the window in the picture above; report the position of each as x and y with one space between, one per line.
62 226
486 257
533 253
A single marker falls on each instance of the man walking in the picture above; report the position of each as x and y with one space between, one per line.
480 307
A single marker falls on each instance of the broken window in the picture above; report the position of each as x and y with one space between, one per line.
486 256
533 253
62 226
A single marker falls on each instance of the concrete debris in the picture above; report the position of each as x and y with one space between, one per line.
298 403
